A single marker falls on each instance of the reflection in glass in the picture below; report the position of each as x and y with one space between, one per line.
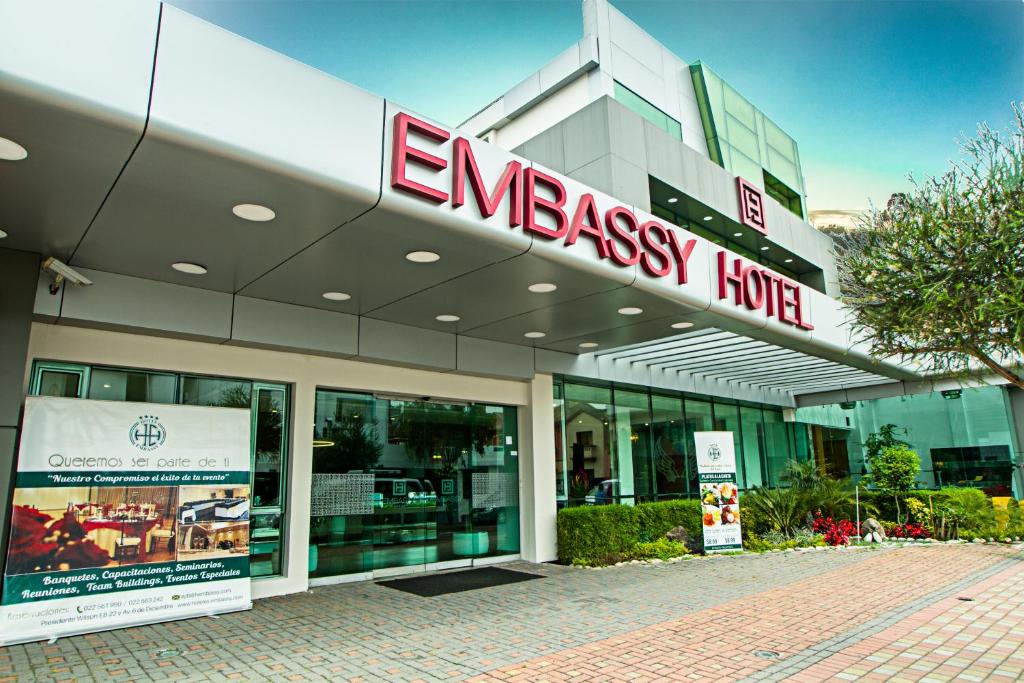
129 385
265 544
669 446
269 447
753 446
57 383
403 483
698 419
635 466
727 419
588 438
210 391
777 441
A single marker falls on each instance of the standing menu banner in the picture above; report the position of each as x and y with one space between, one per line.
719 493
125 514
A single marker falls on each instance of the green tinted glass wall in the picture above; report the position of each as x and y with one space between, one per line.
744 141
647 110
965 441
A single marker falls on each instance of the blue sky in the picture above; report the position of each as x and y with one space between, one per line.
870 89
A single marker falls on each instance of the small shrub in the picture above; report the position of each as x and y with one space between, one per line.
774 540
775 509
808 538
910 530
661 549
836 532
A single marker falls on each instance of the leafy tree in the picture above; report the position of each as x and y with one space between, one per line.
885 437
351 443
894 471
937 277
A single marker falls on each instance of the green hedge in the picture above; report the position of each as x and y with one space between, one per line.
598 534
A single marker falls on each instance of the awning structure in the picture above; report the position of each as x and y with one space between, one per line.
390 238
716 355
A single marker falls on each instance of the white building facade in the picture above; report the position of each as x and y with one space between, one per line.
442 326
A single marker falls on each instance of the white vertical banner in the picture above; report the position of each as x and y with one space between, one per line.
719 492
125 514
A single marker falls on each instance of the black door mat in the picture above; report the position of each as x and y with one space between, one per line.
458 581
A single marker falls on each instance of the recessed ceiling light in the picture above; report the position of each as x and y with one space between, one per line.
588 345
542 288
673 200
534 335
737 234
337 296
11 150
2 234
422 256
764 248
789 260
189 268
707 218
447 318
631 310
681 326
254 212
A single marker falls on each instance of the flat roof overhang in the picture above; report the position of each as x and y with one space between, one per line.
152 124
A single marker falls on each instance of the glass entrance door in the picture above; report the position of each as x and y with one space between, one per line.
405 485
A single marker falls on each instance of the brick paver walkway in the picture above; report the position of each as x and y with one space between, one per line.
847 614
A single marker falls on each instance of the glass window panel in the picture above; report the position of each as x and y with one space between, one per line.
753 446
668 432
130 385
635 463
727 419
778 449
213 391
65 384
416 483
562 467
738 106
698 419
647 110
588 439
965 441
779 140
745 167
268 459
265 545
348 438
743 139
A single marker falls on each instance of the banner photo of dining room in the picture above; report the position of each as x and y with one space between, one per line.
123 514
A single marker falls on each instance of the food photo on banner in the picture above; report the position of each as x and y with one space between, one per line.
719 492
125 514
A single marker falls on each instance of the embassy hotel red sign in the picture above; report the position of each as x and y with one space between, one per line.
618 235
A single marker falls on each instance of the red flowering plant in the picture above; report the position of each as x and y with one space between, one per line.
909 530
836 532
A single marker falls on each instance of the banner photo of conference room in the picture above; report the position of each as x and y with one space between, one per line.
213 521
61 529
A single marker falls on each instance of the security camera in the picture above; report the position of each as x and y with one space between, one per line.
62 272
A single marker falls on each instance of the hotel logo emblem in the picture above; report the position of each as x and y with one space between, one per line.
714 453
751 205
147 433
